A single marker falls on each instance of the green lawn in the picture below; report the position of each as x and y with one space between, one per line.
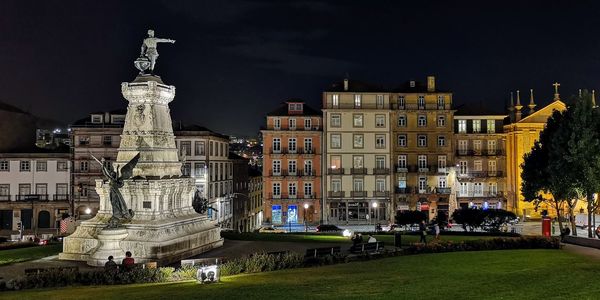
510 274
325 238
31 253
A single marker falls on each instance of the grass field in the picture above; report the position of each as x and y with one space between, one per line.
26 254
510 274
322 238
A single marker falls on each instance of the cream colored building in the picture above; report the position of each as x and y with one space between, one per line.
357 158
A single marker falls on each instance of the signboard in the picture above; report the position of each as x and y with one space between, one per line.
403 206
276 214
424 206
292 213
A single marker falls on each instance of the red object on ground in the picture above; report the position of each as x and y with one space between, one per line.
546 226
128 261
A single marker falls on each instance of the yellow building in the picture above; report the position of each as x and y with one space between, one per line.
521 134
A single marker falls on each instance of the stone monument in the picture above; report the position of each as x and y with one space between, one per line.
145 202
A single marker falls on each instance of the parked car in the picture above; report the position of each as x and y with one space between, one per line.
270 229
328 228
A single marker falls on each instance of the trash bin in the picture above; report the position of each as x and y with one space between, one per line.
398 239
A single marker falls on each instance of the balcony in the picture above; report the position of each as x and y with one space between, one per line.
464 152
358 171
336 194
480 152
381 171
443 190
358 194
277 174
60 197
480 174
335 171
32 197
415 106
306 151
405 190
272 196
423 169
307 173
385 194
350 105
479 194
275 151
403 169
309 196
4 197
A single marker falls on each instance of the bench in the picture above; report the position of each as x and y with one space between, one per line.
34 271
367 247
320 252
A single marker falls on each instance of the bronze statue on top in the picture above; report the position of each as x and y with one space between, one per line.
149 53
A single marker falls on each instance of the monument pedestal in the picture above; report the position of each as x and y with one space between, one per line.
109 243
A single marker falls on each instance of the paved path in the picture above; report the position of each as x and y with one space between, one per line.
17 270
585 251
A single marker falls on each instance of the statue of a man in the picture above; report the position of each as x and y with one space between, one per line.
149 48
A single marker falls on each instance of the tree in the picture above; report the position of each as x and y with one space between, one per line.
494 218
469 217
410 217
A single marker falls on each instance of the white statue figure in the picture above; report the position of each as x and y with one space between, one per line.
149 48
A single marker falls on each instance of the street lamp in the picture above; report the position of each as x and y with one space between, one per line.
305 225
375 208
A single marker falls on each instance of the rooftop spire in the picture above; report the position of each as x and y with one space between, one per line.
512 102
579 93
556 94
518 106
531 102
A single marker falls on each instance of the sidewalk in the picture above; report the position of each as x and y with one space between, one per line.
13 271
585 251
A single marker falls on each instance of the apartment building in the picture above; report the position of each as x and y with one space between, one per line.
99 134
34 188
358 182
205 157
255 193
292 164
480 163
422 147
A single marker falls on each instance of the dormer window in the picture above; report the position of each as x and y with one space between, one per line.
295 107
412 83
96 119
118 119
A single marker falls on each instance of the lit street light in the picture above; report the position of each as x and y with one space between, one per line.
305 225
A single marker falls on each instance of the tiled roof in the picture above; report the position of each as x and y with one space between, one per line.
283 110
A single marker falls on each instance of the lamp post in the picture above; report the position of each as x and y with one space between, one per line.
375 208
305 224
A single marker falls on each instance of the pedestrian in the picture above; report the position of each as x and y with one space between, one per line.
598 231
423 230
128 261
371 239
436 227
359 239
110 265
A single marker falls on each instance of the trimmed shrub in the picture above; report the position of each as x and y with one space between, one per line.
262 262
504 243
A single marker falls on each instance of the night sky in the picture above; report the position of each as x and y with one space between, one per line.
236 60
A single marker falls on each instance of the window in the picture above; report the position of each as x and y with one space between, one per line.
41 166
308 145
422 184
308 167
402 140
422 140
336 185
379 121
441 141
401 102
295 106
186 169
24 166
357 120
379 101
41 189
276 167
462 126
4 191
402 161
84 140
462 167
292 188
441 121
292 167
277 123
491 146
493 188
199 148
422 121
358 140
442 182
380 185
462 147
24 189
4 166
441 163
421 102
336 162
276 189
276 145
292 145
477 146
422 161
185 148
119 119
200 169
107 140
292 123
307 124
336 120
463 189
478 189
402 121
492 166
441 102
211 148
380 162
491 126
358 185
336 141
477 166
380 141
358 162
335 100
476 126
96 119
308 189
357 101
